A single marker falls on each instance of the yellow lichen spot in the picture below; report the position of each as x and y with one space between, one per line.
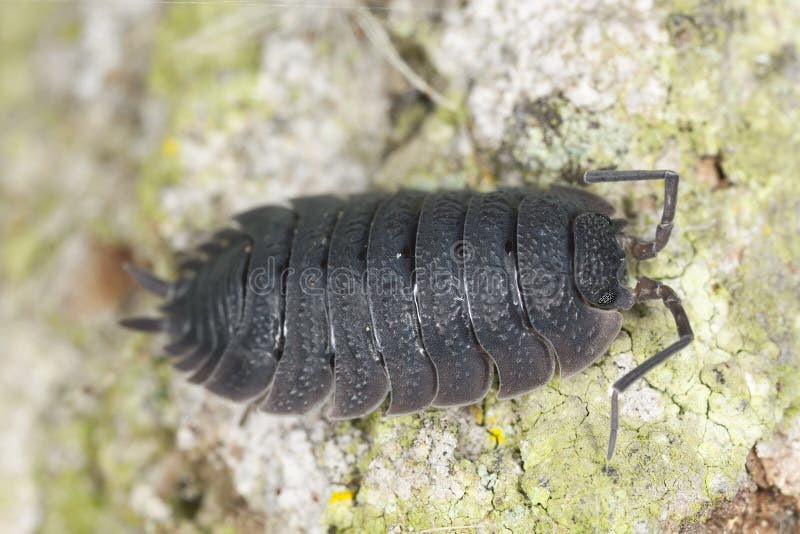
339 496
170 147
477 411
497 434
767 230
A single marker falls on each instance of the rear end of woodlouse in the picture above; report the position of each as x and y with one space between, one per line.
418 297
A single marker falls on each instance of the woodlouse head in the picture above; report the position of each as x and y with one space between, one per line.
599 262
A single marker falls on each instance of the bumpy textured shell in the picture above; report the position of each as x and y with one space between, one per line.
415 296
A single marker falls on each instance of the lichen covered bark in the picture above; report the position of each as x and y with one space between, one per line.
133 131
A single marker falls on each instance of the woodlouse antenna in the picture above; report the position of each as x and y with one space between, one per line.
642 249
647 289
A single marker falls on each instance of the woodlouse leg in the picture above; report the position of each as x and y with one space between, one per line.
642 249
647 289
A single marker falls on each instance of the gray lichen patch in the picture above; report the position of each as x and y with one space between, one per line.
285 103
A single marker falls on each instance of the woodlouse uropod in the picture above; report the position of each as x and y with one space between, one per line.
418 296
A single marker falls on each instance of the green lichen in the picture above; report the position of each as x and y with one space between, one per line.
105 441
203 88
553 140
26 239
18 31
432 159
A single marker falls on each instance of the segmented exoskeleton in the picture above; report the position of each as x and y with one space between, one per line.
415 296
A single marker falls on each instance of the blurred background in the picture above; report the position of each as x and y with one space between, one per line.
129 130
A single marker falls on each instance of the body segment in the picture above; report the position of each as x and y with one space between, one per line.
521 356
577 333
360 380
390 289
463 369
249 363
304 377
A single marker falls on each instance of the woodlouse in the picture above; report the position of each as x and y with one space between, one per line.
418 296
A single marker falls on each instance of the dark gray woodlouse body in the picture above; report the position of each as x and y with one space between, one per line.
415 296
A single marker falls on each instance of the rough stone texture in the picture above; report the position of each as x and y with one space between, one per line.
131 129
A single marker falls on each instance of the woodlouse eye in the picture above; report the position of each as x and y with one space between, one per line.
606 298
